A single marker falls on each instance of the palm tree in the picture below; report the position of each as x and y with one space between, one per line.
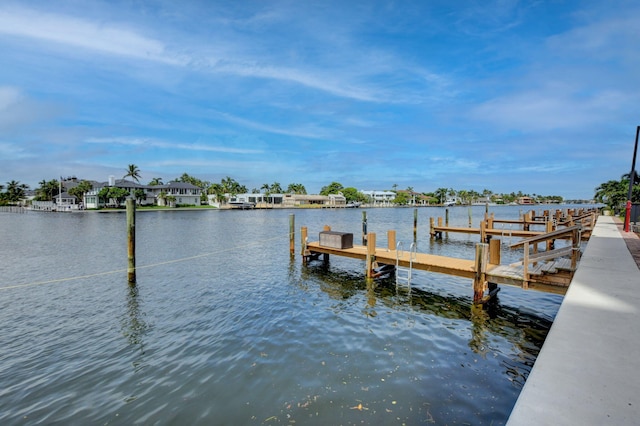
155 181
133 172
15 190
440 194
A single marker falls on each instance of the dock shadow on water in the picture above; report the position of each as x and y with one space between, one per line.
503 341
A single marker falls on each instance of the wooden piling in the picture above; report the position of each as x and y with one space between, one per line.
391 240
494 251
364 227
371 254
432 231
303 239
131 240
415 225
292 234
446 217
481 269
469 217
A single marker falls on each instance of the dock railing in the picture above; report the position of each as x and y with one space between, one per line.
573 250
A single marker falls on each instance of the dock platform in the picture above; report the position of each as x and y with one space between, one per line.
551 271
588 371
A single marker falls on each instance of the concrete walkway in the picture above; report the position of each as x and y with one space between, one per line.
588 371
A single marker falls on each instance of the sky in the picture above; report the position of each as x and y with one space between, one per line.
534 96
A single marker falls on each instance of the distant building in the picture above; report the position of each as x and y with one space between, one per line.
526 200
380 197
183 192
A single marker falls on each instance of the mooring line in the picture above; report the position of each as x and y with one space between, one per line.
153 265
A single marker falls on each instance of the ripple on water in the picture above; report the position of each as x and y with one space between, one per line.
247 336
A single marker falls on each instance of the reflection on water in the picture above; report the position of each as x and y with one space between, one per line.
134 327
244 334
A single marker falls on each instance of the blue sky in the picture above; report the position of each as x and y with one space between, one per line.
534 96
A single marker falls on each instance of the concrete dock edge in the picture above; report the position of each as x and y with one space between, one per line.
588 370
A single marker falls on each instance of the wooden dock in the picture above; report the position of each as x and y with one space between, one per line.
551 270
585 217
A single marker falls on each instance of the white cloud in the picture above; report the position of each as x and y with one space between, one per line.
95 36
154 143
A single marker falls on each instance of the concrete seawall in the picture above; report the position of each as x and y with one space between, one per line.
588 371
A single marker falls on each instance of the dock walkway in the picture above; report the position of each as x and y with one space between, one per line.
588 371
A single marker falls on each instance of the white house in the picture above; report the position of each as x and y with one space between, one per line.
380 197
183 193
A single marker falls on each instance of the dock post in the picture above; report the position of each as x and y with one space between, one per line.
292 234
131 239
481 270
483 232
446 217
469 217
415 225
391 240
371 254
364 227
432 232
494 251
304 252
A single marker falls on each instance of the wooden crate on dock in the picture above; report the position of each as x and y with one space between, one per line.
337 240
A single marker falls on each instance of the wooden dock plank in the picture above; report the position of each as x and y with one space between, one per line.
422 261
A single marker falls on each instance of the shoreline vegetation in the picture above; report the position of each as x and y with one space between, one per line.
217 195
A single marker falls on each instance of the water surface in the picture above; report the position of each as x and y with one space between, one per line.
223 327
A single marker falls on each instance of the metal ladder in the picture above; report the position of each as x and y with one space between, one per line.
403 274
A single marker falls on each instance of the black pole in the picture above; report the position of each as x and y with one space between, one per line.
632 176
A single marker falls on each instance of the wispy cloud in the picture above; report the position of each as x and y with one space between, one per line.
176 146
67 30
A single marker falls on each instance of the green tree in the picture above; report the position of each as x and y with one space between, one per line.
353 195
217 190
612 193
133 172
441 194
118 195
275 188
81 189
47 190
155 181
15 191
296 188
401 198
332 188
232 187
139 195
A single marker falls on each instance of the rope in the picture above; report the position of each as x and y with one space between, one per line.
153 265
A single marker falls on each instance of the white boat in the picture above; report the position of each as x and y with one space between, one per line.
449 202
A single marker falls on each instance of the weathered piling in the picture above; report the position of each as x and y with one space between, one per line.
415 225
371 254
292 234
481 270
364 227
131 240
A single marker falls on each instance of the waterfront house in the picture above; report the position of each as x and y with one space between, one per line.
380 198
526 200
182 192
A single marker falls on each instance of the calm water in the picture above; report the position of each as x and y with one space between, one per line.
224 328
